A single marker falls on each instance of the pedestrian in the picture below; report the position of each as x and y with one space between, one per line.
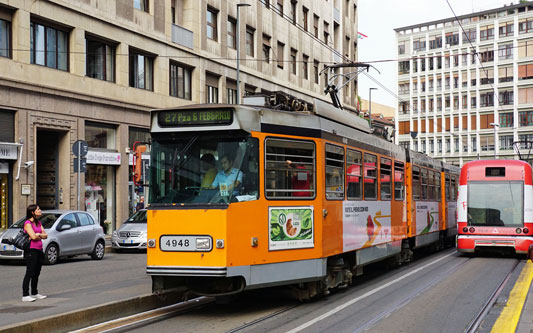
34 255
140 204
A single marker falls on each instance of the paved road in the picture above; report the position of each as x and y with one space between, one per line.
440 293
73 284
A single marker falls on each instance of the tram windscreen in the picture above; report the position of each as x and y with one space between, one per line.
203 169
495 203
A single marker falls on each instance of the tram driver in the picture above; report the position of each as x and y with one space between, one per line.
228 179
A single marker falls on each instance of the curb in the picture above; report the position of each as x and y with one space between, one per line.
93 315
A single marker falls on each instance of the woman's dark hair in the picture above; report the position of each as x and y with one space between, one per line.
208 158
30 210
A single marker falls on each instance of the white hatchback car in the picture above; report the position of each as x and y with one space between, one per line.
132 233
69 232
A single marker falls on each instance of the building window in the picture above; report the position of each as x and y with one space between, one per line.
452 38
250 41
305 67
486 32
5 38
506 142
315 70
326 32
100 60
141 5
525 26
266 49
141 70
486 99
505 74
525 72
526 118
294 5
435 43
506 97
506 29
305 18
294 54
403 67
419 44
180 81
506 119
316 19
469 36
505 51
525 95
49 46
281 48
401 47
212 32
232 28
211 88
456 145
99 135
487 143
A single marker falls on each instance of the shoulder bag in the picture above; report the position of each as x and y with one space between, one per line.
22 240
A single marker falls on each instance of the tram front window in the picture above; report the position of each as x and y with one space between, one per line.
495 204
204 169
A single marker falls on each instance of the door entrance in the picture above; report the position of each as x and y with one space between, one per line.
47 169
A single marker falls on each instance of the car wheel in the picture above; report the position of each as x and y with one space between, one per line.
51 254
98 251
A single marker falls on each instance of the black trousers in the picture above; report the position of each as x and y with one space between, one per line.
34 262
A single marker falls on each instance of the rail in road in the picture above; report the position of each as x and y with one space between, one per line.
413 297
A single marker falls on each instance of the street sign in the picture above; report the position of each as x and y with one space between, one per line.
80 147
83 164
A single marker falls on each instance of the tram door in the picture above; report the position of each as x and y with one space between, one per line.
47 169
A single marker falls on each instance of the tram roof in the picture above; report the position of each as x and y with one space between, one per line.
325 121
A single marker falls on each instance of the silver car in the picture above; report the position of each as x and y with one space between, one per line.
132 233
69 232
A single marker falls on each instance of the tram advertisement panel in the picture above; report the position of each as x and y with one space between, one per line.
365 223
427 217
452 208
290 228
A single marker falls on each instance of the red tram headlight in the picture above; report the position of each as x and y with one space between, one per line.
526 230
518 230
465 229
472 229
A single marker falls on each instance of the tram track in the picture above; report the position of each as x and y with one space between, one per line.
487 306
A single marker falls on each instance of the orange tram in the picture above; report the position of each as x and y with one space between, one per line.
247 196
495 206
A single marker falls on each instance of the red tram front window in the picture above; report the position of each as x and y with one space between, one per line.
495 203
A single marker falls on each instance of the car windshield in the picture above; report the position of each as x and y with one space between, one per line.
487 209
47 219
138 217
211 168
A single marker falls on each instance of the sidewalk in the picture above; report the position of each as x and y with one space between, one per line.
525 323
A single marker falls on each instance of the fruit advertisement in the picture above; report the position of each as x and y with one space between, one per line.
290 228
427 217
365 224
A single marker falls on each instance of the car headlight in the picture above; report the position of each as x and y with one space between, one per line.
203 243
115 233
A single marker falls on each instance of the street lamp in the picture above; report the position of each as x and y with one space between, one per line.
496 126
370 105
239 5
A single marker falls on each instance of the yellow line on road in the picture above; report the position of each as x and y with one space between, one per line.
508 319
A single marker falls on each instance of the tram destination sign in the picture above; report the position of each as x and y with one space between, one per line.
200 117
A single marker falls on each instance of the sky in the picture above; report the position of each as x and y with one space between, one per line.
379 24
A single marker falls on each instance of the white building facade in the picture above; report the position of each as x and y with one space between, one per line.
466 90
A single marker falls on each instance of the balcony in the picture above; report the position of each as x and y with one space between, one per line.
182 36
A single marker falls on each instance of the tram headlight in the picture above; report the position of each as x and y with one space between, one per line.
526 230
465 229
472 229
151 242
203 243
220 243
518 230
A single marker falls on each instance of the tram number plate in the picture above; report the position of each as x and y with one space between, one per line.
178 243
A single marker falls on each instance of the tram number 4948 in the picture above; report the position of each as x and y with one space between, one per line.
178 243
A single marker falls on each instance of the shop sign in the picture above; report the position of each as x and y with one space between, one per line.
8 152
103 157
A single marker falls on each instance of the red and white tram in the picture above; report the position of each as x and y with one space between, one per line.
495 206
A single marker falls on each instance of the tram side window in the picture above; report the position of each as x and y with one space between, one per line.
386 179
437 186
431 185
416 183
370 172
453 186
447 187
290 169
334 172
353 174
399 187
424 187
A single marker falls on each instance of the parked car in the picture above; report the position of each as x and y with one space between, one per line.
132 233
69 232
